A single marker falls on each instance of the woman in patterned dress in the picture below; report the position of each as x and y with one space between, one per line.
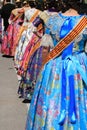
31 65
59 101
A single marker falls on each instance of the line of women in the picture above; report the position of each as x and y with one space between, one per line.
59 100
24 40
50 58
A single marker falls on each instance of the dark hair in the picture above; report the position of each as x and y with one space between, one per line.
74 4
32 4
55 5
51 5
7 0
18 4
40 5
83 8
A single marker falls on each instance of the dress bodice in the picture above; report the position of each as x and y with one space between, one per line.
28 15
61 25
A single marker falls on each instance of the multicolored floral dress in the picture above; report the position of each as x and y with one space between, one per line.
25 36
22 44
35 53
10 36
59 101
31 73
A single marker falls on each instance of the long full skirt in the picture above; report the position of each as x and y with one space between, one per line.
59 101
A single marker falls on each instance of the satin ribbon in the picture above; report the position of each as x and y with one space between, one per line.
71 66
63 98
72 109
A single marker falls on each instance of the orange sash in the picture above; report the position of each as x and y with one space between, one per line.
36 46
17 16
34 16
25 27
65 42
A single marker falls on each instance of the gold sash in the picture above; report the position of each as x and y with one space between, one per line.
17 16
36 46
34 16
65 42
25 27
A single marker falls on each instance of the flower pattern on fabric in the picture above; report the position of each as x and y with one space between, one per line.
59 101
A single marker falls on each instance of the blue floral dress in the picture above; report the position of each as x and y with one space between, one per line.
59 101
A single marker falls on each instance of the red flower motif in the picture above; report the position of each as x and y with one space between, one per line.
39 110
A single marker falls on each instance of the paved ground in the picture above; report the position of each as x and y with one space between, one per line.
13 112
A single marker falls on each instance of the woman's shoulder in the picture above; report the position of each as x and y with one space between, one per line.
15 11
